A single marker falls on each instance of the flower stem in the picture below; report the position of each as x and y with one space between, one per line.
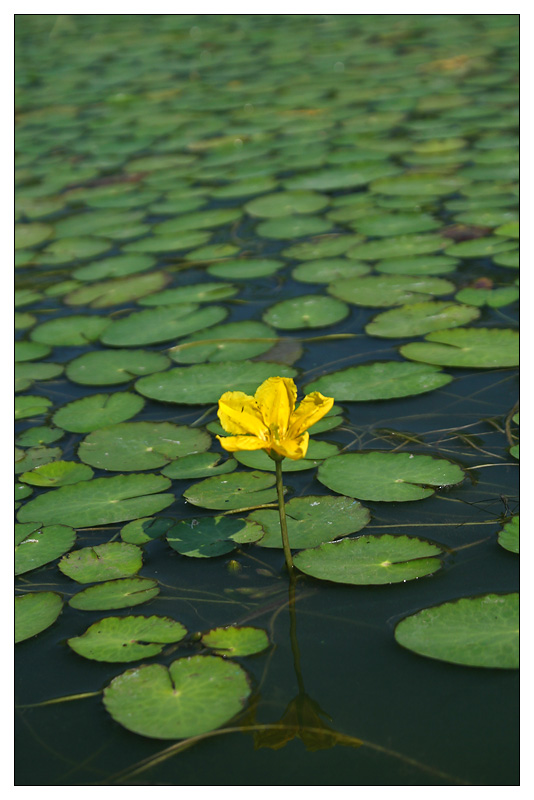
282 512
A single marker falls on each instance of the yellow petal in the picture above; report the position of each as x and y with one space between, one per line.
292 448
239 413
276 400
311 410
233 443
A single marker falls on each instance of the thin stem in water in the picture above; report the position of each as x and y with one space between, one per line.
282 512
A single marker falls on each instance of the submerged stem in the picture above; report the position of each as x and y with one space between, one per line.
282 511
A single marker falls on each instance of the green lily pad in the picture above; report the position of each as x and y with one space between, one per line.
31 233
114 267
307 311
205 383
480 248
35 207
107 367
507 259
417 265
236 490
121 593
41 545
212 536
285 204
98 411
508 536
329 179
70 331
21 492
117 291
34 456
24 320
39 435
397 247
145 529
34 612
472 631
194 293
312 521
475 348
31 406
193 696
26 297
212 252
212 218
387 477
385 225
100 501
381 380
73 248
377 291
181 240
419 318
118 639
235 341
233 641
510 229
419 185
371 560
96 222
326 270
57 473
317 452
161 324
29 372
30 351
323 247
245 268
198 465
131 446
293 227
494 298
24 529
102 562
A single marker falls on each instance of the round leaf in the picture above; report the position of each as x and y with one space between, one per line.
161 324
509 535
377 291
379 381
107 367
307 311
42 545
57 473
127 638
233 641
121 593
212 536
419 318
34 612
237 490
102 562
479 348
98 411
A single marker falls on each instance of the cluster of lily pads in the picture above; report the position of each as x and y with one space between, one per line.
158 218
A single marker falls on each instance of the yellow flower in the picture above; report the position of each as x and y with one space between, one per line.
269 420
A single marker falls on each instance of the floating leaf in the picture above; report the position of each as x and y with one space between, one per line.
39 435
31 406
118 291
141 445
419 318
41 545
205 383
72 248
371 560
121 593
236 490
389 477
472 631
57 473
494 298
102 562
106 367
419 185
326 270
312 521
379 381
194 293
99 502
30 351
342 178
161 324
193 696
127 638
395 224
212 536
34 456
30 234
322 247
198 465
245 268
479 248
212 218
27 373
377 291
509 535
285 204
98 411
233 641
145 529
114 267
307 311
232 342
317 452
70 331
478 348
293 227
34 612
417 265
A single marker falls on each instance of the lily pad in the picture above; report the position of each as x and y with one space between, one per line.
397 247
212 218
57 473
121 593
212 536
419 185
312 521
317 452
191 697
285 204
102 562
29 372
480 248
31 406
376 291
326 270
293 227
381 380
181 240
371 560
387 477
417 265
41 545
39 435
507 259
98 411
329 179
118 639
494 298
70 331
509 535
198 465
419 318
194 293
34 456
245 268
306 311
118 291
34 612
107 367
131 446
385 225
161 324
73 248
100 501
205 383
114 267
474 348
233 641
235 341
32 233
30 351
145 529
472 631
322 247
233 491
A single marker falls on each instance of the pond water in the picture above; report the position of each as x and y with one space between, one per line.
341 192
